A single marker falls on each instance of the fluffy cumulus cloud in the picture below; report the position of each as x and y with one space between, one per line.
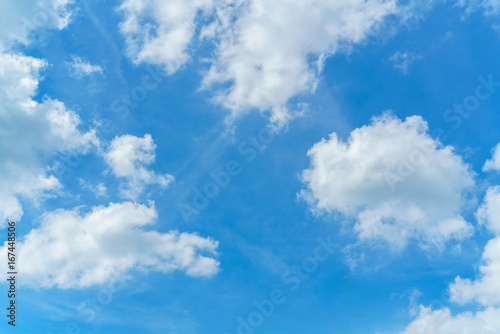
443 322
484 291
394 179
19 19
160 31
28 127
128 156
71 250
494 163
263 49
265 54
488 213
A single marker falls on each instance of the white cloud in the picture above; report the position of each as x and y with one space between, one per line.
19 19
263 49
443 322
80 67
403 60
494 163
394 179
484 290
62 251
71 250
489 7
128 157
160 31
27 128
489 212
265 54
98 189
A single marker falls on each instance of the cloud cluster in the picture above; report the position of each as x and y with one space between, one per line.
128 156
19 19
27 128
263 49
394 179
484 291
30 128
71 250
160 31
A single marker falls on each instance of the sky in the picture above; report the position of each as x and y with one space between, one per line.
251 166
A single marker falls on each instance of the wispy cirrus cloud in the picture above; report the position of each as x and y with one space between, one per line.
80 67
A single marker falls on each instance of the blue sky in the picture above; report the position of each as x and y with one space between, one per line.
353 197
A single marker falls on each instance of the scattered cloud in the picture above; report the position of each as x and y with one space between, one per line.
46 126
19 19
80 68
99 189
484 290
128 156
74 250
160 32
489 7
443 322
494 163
403 60
265 52
488 213
263 49
396 181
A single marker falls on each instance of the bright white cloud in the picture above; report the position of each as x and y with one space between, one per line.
443 322
19 19
489 212
484 290
28 127
265 52
494 163
80 67
263 49
160 31
71 250
128 157
394 179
